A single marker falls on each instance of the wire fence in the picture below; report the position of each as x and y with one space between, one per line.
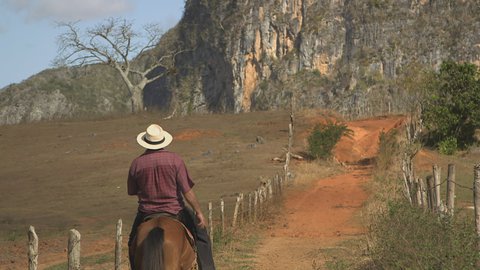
428 195
230 213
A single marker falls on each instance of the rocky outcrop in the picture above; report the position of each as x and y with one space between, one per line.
62 93
25 108
244 55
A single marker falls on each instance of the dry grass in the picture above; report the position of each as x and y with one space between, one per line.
387 190
72 174
307 172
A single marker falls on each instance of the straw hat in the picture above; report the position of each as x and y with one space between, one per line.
154 138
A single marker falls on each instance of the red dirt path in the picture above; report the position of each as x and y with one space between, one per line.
322 215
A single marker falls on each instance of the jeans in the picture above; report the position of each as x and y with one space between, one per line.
202 240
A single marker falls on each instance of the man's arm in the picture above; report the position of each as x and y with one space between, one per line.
132 188
192 200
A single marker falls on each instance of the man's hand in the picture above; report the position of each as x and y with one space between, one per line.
202 222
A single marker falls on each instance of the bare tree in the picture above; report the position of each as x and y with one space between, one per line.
114 42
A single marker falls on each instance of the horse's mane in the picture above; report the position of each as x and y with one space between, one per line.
153 250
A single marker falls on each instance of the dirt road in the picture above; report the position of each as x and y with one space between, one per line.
319 217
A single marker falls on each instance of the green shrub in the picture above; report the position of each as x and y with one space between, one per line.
448 146
324 137
407 237
451 109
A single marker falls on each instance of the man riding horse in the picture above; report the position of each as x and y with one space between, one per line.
160 180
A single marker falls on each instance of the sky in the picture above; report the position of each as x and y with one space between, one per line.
28 28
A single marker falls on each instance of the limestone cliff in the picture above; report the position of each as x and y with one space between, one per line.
345 55
244 55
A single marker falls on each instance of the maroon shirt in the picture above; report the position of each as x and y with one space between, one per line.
159 178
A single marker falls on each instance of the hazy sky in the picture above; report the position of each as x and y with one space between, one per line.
28 31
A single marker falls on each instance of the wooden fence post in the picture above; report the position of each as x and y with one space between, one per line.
285 172
235 212
118 245
279 183
430 192
290 140
222 215
275 187
255 206
286 167
260 203
270 189
210 221
436 180
451 189
32 249
476 199
250 219
476 202
74 250
242 210
407 176
423 193
292 109
418 192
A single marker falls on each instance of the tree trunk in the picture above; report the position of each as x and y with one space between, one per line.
137 99
135 90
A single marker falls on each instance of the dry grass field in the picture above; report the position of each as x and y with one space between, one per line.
72 174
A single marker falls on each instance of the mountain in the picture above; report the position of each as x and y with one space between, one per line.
244 55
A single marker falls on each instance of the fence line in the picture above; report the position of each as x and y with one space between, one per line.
430 197
259 201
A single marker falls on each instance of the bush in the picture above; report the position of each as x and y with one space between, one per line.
324 137
448 146
406 237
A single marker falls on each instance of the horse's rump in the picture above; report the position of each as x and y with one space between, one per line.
163 241
190 237
153 243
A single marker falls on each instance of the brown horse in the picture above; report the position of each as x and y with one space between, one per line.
163 243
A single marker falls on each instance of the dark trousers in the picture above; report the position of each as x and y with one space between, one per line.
202 240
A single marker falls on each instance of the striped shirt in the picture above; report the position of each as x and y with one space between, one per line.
159 178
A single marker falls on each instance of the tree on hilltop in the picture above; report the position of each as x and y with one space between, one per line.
114 42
